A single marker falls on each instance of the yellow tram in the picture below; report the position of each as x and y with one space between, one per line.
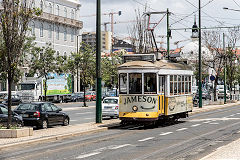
152 89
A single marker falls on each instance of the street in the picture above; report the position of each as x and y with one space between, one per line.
190 138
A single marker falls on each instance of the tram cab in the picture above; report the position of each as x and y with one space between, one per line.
151 90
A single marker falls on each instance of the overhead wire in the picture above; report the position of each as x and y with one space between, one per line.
192 12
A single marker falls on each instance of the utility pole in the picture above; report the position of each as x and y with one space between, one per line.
98 64
200 58
225 76
168 35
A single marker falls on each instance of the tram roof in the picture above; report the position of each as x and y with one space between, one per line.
161 64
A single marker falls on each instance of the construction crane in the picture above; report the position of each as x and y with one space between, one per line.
111 14
118 22
176 43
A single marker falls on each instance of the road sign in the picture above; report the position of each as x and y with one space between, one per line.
212 78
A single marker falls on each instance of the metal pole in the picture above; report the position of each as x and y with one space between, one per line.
200 59
77 66
98 64
225 76
168 43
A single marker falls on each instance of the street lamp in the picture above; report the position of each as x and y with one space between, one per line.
231 9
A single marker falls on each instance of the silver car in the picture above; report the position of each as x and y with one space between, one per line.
110 107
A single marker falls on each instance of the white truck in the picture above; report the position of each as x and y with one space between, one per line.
58 88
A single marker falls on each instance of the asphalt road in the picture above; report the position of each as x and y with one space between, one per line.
191 138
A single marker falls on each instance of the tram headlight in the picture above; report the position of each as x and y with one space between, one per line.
135 108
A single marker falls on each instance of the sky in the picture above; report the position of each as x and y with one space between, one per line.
182 16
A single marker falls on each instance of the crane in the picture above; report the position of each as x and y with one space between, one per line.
111 14
117 22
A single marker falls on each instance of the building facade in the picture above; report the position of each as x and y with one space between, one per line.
106 41
59 24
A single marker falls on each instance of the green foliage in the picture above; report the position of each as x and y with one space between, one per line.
109 69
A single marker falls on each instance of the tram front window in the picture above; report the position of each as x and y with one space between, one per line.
123 83
135 83
150 86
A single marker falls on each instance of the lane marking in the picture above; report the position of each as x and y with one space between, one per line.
207 122
73 120
88 155
213 123
146 139
237 113
232 115
88 118
195 125
84 113
181 129
120 146
163 134
238 132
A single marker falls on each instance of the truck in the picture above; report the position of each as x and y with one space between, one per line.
59 88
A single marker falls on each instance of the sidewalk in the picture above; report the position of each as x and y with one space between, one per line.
60 132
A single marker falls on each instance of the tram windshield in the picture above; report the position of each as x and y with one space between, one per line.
150 85
135 83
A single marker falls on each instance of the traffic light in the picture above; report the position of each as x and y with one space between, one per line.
119 13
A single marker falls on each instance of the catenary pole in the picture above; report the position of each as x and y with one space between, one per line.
200 59
168 36
98 64
224 49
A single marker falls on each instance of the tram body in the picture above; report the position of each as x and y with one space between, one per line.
154 90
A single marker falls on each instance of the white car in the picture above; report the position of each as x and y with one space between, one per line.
110 107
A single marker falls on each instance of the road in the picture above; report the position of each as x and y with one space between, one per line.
191 138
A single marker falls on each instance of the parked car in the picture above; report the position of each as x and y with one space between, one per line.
110 107
42 114
205 94
2 95
77 97
16 119
16 100
90 96
220 93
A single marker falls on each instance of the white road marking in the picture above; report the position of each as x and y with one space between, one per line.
237 113
163 134
88 155
181 129
207 122
88 118
84 113
238 132
73 120
195 125
213 119
232 115
121 146
213 123
146 139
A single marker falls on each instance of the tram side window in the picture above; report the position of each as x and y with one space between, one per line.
135 83
123 83
161 80
186 84
175 85
183 85
150 85
179 85
190 84
171 85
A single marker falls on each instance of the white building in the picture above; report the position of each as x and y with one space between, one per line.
59 24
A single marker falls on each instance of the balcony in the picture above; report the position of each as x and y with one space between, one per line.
61 20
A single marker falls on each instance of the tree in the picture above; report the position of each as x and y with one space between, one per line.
214 43
14 19
43 62
83 61
109 69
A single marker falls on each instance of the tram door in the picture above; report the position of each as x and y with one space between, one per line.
161 92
